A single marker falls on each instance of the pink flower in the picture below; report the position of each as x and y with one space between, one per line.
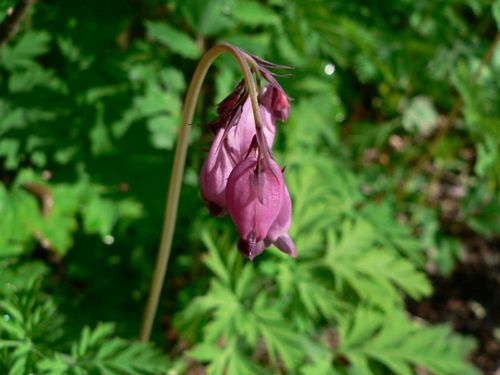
240 175
254 197
229 147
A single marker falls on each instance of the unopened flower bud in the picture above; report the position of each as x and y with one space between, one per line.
275 100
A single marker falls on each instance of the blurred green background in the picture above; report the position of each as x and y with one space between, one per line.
393 164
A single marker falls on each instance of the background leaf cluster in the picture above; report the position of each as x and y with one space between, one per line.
392 160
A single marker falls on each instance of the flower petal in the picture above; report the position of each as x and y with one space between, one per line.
250 248
214 174
286 245
240 136
283 221
252 217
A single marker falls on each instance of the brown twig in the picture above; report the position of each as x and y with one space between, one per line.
45 250
10 24
43 195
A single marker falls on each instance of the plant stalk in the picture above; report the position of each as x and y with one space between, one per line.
178 170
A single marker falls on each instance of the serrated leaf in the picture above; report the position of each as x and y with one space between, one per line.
280 341
374 273
253 13
204 352
214 260
29 45
400 344
99 350
178 41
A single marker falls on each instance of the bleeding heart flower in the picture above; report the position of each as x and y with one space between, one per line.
229 147
254 197
240 175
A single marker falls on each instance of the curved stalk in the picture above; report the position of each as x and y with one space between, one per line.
178 170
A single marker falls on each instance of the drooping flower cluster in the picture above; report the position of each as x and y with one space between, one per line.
240 176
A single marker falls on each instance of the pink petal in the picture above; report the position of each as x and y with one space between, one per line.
252 217
250 248
275 100
285 244
239 137
284 219
214 174
278 233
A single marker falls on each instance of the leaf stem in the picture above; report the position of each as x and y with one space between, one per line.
178 170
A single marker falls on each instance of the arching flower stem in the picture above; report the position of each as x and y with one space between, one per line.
178 168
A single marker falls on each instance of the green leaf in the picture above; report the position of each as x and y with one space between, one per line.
495 8
99 135
163 131
204 352
374 273
28 46
400 344
232 361
280 340
9 149
176 40
21 276
19 216
207 17
214 260
254 14
314 122
98 351
100 216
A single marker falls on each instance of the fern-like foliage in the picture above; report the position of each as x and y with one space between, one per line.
32 337
237 309
392 160
99 352
368 336
375 273
280 312
29 326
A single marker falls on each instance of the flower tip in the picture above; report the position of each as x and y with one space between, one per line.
281 105
249 248
286 245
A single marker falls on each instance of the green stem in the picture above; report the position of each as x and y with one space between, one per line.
178 171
